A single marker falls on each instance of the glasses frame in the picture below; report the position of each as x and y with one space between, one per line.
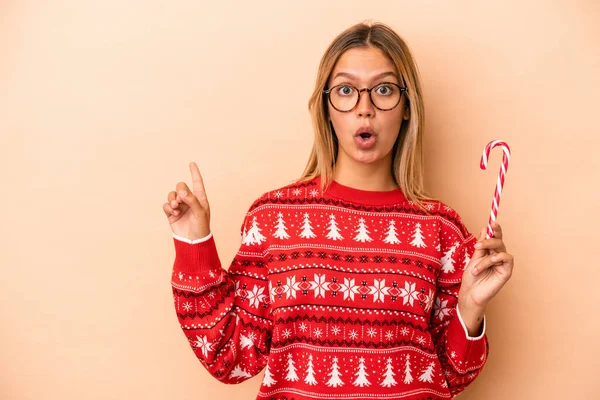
368 90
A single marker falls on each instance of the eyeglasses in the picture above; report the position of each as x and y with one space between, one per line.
385 96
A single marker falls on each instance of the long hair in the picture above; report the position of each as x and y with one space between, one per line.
407 158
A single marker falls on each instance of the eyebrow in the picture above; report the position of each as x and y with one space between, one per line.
378 76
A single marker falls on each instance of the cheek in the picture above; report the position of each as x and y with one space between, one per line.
340 123
392 123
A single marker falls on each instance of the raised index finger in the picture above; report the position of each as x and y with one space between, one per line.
197 182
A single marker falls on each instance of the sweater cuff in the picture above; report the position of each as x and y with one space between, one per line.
466 352
465 327
196 258
204 239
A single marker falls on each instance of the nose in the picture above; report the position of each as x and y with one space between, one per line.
364 106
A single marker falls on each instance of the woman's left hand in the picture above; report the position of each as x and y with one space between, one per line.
488 270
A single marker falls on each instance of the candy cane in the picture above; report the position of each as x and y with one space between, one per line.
484 161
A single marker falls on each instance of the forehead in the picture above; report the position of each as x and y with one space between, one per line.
363 62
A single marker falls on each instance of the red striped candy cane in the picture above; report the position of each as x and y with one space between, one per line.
484 161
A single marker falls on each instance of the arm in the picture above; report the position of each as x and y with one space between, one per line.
462 348
225 315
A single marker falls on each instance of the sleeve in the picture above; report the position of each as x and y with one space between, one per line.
225 315
462 356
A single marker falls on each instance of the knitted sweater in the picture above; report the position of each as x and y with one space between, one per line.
347 294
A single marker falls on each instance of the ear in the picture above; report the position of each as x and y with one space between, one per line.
406 115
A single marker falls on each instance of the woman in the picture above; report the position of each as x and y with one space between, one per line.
351 283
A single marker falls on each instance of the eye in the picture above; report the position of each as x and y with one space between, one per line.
345 90
385 89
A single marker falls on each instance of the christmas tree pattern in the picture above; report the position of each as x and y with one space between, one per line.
333 230
426 376
247 341
407 371
418 237
281 232
335 375
466 261
362 233
239 373
268 379
392 236
447 261
254 236
310 372
388 377
307 232
361 375
291 370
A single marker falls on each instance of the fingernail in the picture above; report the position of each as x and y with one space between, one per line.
182 193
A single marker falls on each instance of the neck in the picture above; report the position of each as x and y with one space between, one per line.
365 176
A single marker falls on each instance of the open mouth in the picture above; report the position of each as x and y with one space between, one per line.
365 136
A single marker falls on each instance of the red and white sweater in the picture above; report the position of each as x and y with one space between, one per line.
347 294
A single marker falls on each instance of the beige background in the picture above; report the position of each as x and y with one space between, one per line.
104 103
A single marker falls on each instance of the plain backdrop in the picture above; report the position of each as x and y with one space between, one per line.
104 103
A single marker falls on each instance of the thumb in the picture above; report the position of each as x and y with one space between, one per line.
191 201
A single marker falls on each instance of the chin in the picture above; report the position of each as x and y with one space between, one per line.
367 158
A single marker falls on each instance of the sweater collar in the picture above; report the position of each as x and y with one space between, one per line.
359 196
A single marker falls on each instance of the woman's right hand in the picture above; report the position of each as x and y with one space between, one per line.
188 210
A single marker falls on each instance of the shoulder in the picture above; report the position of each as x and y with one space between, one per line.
447 216
297 192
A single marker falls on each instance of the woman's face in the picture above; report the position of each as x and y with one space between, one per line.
364 68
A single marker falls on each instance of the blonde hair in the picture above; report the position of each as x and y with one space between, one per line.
407 158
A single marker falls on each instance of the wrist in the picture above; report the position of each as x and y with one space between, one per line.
472 317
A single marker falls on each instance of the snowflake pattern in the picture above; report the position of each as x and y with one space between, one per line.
187 306
379 290
319 285
203 344
409 294
440 309
256 296
429 300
